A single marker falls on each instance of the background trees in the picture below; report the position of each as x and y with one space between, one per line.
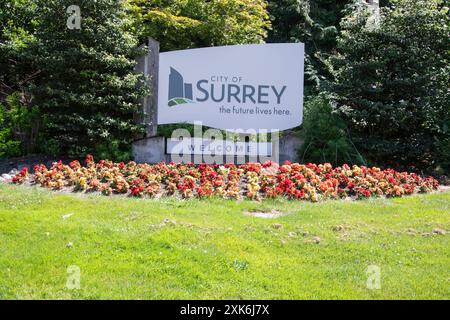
183 24
390 82
80 81
315 23
87 90
374 94
19 119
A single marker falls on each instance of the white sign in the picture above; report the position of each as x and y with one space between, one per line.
233 87
218 147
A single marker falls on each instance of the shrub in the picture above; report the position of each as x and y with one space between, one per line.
87 87
8 146
443 155
19 125
115 150
326 136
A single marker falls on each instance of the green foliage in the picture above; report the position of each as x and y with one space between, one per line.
115 150
87 88
315 23
391 81
8 146
326 136
17 24
182 24
166 130
443 155
19 125
21 118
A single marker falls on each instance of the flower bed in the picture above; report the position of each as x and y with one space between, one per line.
252 180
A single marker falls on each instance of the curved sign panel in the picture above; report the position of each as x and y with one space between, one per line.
233 87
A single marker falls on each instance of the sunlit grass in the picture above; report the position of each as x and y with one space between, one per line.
207 249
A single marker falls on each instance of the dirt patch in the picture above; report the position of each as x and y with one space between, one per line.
272 214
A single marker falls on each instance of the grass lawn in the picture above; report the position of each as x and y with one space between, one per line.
210 250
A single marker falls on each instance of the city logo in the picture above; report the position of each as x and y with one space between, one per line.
179 91
222 89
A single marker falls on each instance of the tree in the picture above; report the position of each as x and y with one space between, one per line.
19 118
17 22
315 23
182 24
391 81
87 88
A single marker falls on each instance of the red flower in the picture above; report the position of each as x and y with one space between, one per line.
89 158
293 180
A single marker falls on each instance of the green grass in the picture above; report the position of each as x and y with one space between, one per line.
214 251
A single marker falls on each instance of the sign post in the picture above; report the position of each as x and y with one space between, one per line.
149 66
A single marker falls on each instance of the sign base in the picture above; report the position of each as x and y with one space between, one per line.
154 150
150 150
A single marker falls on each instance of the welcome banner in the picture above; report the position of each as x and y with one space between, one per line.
233 87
